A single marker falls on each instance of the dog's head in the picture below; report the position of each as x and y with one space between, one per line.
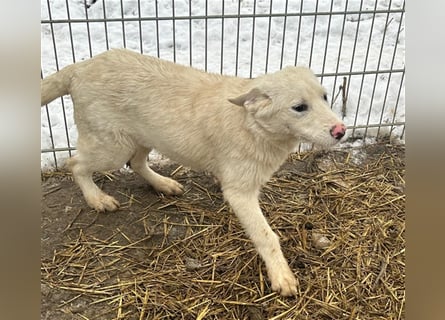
291 104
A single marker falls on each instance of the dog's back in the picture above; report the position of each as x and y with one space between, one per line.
178 110
125 71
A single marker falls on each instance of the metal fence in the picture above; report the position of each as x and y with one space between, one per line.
356 47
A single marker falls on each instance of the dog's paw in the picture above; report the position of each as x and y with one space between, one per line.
284 282
169 186
103 202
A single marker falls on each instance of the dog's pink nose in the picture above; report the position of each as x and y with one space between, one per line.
338 131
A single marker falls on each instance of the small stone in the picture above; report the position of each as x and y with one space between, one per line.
192 264
320 241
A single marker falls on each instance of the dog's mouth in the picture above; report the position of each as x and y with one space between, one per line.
321 140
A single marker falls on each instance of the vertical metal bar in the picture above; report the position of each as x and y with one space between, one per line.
53 36
205 34
124 41
56 60
157 29
391 68
355 46
88 32
402 135
312 47
339 53
327 41
313 34
222 38
74 60
397 104
268 36
403 132
298 33
50 128
253 39
57 68
382 45
237 39
364 68
174 30
141 45
190 34
297 47
105 26
284 33
70 30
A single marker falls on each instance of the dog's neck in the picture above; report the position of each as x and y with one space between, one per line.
279 143
269 150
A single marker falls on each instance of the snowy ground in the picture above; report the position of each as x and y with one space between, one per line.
329 44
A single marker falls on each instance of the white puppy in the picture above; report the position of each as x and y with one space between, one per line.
241 130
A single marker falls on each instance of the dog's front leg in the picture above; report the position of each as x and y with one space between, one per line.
247 209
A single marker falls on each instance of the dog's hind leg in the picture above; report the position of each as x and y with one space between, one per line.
247 209
94 156
163 184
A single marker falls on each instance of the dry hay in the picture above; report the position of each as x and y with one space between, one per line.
210 270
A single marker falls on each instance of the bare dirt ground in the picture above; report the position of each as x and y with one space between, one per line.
187 257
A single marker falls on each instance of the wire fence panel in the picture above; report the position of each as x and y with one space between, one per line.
357 48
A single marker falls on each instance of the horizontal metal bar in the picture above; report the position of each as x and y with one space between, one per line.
57 149
223 16
358 73
364 126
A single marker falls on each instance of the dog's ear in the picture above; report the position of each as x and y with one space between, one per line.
248 98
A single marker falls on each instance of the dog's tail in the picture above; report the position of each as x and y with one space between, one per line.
56 85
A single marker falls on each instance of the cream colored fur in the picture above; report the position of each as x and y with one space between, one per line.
241 130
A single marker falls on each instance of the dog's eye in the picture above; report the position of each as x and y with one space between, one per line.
300 107
325 97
